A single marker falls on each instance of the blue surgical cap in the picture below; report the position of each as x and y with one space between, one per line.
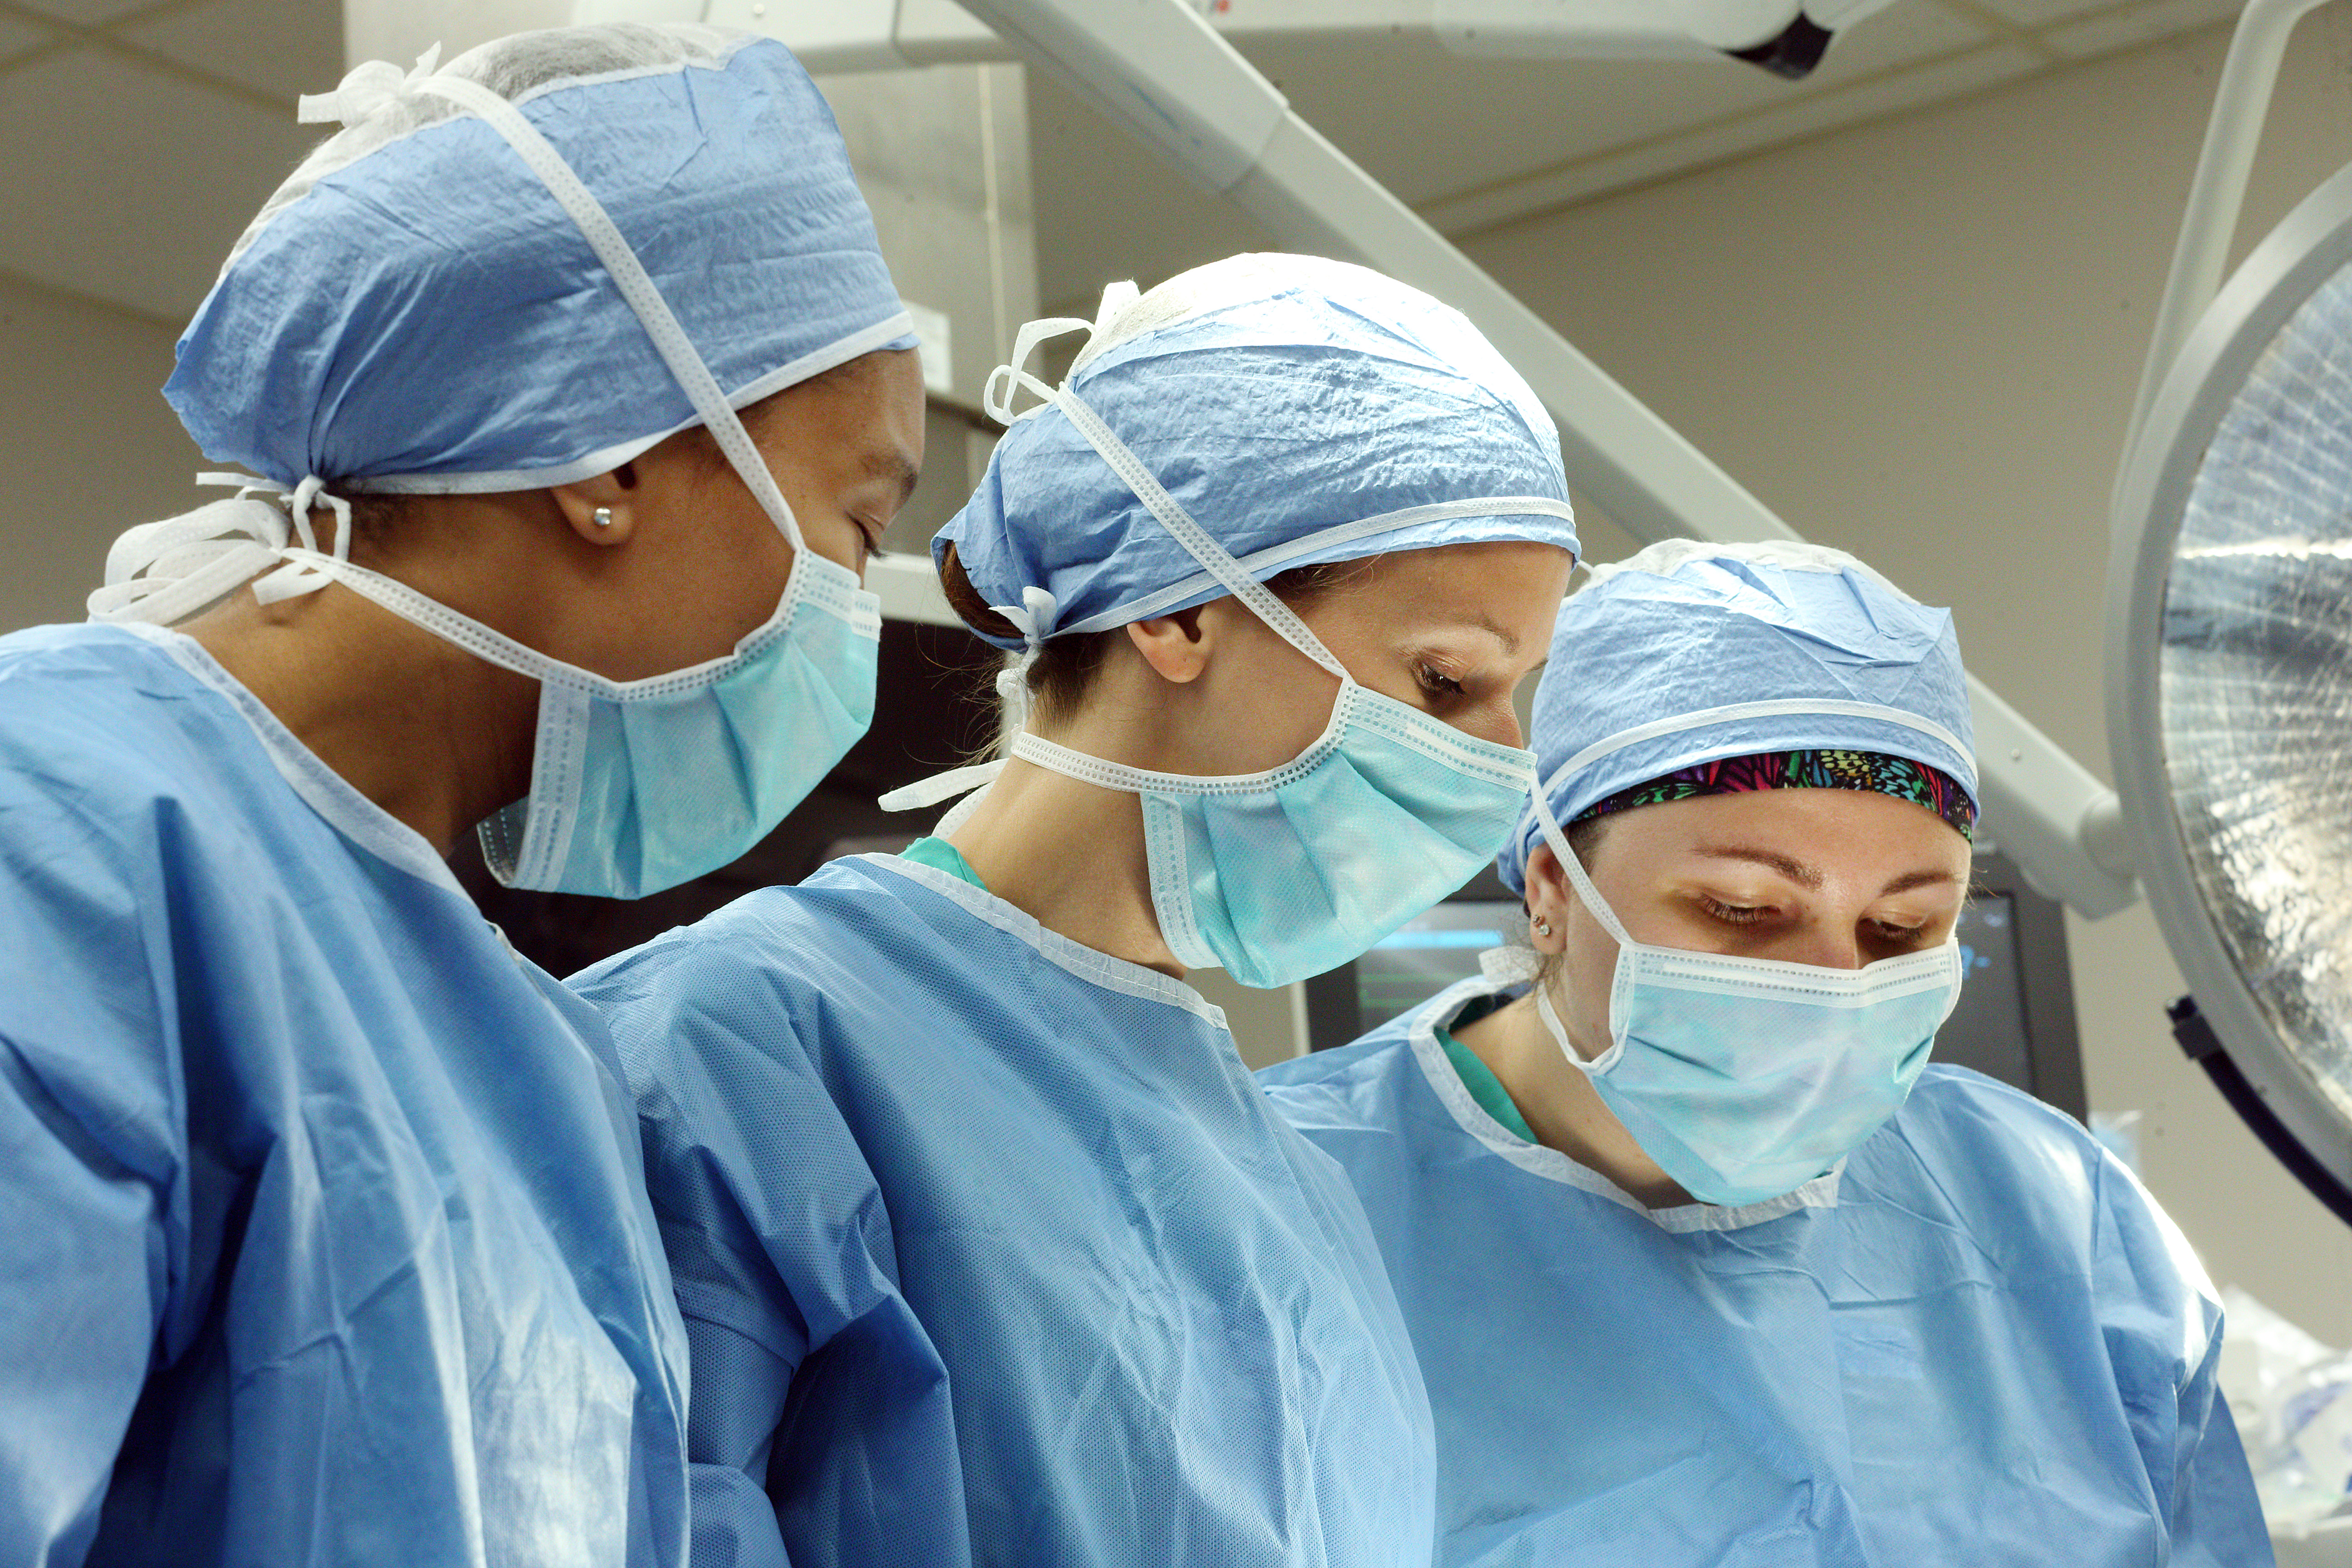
415 312
1687 653
1302 410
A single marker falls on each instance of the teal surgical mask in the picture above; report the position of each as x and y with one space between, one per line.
1276 875
1746 1078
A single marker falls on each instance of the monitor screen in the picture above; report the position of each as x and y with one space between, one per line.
1430 953
1988 1030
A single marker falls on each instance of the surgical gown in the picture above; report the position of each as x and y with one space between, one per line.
322 1230
1978 1343
991 1252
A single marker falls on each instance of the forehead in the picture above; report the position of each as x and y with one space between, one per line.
1834 829
868 412
1510 587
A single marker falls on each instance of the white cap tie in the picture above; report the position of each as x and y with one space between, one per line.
365 90
165 572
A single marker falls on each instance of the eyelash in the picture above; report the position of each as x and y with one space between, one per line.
1437 682
1750 914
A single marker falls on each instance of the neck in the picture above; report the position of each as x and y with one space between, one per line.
1070 855
434 736
1562 1108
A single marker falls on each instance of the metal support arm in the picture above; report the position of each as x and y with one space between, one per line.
1155 66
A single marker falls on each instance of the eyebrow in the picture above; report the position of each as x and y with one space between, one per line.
1497 630
1922 879
1806 876
895 467
1797 871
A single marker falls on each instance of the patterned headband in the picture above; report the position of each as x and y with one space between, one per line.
1874 772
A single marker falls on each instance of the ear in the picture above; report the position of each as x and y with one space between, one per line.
1548 900
602 509
1177 646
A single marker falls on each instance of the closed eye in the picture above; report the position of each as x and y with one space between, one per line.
1735 914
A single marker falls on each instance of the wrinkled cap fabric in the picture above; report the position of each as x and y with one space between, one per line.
414 311
1302 410
1689 652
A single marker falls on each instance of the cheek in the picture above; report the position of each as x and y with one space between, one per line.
1587 968
1267 709
836 537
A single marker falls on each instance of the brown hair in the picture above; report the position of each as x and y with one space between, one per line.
1065 665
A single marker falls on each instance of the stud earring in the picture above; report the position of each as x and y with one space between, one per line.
1543 926
602 517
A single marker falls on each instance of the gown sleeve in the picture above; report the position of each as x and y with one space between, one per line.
2163 1323
92 1158
800 1340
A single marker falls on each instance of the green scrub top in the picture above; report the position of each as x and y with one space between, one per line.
1484 1086
941 856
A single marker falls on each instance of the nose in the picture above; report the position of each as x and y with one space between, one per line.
1828 944
1500 725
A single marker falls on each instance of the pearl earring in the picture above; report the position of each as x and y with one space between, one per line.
602 517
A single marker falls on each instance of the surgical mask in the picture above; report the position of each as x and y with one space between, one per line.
1746 1078
636 785
1276 875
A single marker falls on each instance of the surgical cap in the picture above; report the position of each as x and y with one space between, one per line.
415 312
1690 652
1302 410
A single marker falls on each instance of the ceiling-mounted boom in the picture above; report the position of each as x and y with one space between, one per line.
1787 38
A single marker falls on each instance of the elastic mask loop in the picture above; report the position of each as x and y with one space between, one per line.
636 288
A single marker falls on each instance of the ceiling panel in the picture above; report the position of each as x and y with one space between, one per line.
2133 26
1938 81
89 12
128 184
1432 124
17 37
282 48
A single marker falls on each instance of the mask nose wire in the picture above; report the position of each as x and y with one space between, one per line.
637 289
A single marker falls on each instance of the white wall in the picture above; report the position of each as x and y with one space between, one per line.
87 446
1919 341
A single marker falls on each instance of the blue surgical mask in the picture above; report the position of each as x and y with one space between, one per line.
1746 1078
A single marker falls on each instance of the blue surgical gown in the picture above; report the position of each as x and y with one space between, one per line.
1979 1343
991 1252
322 1231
